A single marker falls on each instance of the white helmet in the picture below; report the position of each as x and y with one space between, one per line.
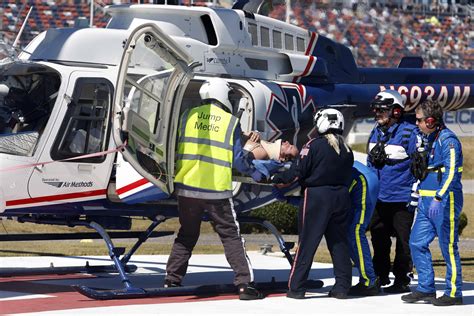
387 99
216 89
329 119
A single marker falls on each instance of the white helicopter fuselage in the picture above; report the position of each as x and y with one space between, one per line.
231 42
82 55
121 89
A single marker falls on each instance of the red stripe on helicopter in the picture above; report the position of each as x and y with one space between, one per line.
309 66
307 70
132 186
58 197
309 49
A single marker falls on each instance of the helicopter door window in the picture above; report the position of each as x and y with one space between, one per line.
28 93
86 123
277 39
265 36
300 46
289 45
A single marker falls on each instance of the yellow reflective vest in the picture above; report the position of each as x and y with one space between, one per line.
205 148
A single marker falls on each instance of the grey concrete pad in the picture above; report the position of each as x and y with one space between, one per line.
212 269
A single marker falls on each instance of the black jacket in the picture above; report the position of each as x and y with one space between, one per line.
320 165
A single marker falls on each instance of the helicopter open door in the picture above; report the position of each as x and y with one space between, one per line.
153 76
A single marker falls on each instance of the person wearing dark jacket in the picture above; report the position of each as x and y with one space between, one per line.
323 171
391 144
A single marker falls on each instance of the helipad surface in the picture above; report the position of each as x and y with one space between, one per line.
52 294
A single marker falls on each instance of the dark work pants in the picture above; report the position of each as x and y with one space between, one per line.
392 219
323 212
223 215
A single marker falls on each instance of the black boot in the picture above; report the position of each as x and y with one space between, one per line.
338 295
362 290
397 288
247 292
384 280
416 296
295 294
447 301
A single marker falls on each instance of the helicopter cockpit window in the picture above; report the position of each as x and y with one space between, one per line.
86 121
27 95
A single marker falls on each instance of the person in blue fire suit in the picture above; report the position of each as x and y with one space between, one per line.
438 168
364 190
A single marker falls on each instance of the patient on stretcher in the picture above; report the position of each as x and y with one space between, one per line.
266 156
260 149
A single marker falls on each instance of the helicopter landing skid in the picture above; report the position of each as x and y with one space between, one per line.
192 290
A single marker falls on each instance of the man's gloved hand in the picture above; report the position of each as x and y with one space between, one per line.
435 209
413 204
278 194
274 179
257 176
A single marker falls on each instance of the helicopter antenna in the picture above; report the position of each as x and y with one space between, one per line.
91 20
17 39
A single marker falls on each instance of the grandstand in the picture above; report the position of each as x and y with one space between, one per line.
379 33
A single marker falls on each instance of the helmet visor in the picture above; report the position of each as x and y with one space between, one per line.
380 103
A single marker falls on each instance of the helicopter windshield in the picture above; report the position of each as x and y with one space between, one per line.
28 92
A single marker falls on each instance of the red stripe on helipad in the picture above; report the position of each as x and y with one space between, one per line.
45 277
63 297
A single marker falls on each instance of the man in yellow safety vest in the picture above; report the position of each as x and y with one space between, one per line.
209 147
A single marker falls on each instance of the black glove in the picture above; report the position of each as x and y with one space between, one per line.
274 179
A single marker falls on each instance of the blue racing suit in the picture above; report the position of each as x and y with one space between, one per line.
363 191
442 182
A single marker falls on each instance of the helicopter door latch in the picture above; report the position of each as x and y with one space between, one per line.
84 168
39 168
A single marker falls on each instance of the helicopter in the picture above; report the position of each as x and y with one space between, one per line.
89 116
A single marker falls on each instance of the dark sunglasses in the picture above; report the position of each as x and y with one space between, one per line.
380 110
420 119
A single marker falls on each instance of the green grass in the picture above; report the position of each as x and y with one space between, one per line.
468 156
468 208
359 147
